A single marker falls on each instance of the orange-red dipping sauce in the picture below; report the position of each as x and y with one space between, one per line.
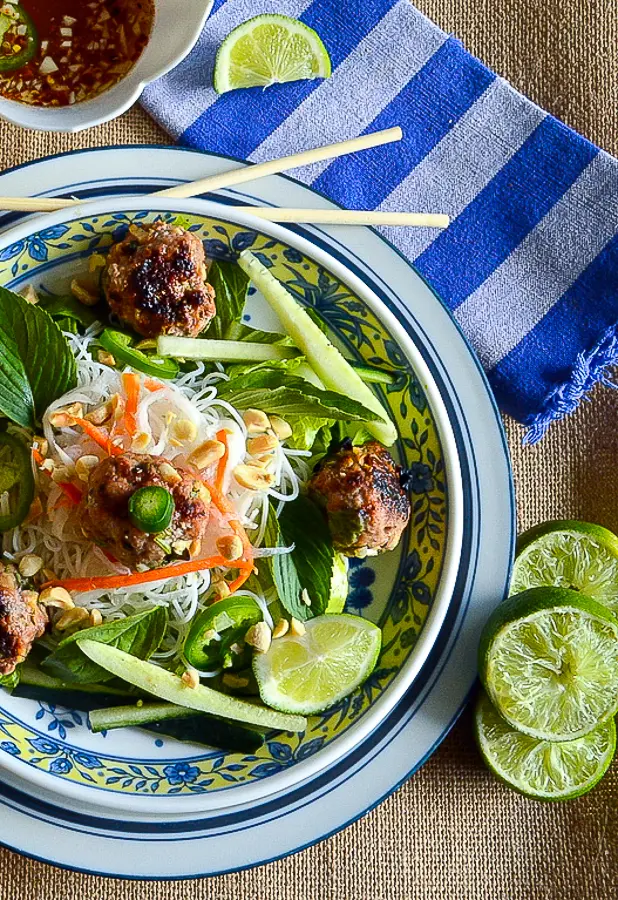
60 52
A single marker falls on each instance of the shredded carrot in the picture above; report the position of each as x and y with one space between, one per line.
37 457
111 582
151 384
238 582
99 436
131 384
222 464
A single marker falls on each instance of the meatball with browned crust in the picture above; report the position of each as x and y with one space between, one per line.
155 281
22 621
105 509
361 492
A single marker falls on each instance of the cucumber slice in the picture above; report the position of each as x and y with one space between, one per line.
222 351
37 685
180 723
323 357
170 687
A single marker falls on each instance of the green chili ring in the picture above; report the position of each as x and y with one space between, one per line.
28 51
120 346
151 509
229 619
24 482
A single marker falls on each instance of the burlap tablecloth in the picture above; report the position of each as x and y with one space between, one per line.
451 831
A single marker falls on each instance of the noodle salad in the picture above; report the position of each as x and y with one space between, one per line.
177 508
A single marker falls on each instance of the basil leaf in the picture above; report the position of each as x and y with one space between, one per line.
140 635
68 307
16 400
276 391
30 334
309 566
230 284
301 523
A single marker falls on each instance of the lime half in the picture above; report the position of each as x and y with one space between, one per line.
541 769
569 554
549 661
267 50
313 671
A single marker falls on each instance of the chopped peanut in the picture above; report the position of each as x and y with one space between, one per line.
280 427
191 678
259 636
252 478
207 454
263 443
230 546
29 565
184 430
256 421
280 628
85 464
297 628
56 596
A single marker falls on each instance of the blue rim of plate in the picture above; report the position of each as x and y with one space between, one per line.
429 673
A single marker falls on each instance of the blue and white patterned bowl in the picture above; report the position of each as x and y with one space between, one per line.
407 592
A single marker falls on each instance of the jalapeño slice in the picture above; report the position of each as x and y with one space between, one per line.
151 509
216 637
16 50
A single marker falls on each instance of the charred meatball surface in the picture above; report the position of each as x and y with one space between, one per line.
105 507
22 621
155 281
366 506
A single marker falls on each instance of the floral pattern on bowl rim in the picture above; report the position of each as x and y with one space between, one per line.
49 739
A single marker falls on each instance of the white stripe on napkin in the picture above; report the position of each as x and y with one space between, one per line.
463 163
549 259
186 92
356 107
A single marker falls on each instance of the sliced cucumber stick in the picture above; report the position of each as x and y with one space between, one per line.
222 351
163 684
324 358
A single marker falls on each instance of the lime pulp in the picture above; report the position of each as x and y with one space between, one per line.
269 49
314 670
569 554
549 661
541 769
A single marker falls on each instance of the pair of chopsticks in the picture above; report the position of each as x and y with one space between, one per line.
272 167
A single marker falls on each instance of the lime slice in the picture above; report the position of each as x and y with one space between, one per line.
267 50
542 769
573 555
315 670
549 661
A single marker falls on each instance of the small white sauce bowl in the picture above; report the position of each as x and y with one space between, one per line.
177 26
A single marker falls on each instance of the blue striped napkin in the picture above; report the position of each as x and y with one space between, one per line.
529 266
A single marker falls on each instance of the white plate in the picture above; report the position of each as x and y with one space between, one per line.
253 833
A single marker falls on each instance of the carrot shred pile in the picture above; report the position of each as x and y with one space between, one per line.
69 490
222 464
98 436
131 384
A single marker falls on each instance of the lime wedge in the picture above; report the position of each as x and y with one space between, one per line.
549 661
267 50
313 671
541 769
568 554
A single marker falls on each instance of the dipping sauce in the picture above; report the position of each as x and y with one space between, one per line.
60 52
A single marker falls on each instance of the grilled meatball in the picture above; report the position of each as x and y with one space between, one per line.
105 508
360 490
22 621
155 281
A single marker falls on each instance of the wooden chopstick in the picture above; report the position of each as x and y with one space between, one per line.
347 217
226 179
273 166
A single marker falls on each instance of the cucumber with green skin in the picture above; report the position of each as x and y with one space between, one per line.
323 357
178 722
37 685
163 684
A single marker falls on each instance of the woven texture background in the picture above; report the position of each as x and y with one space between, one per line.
451 831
